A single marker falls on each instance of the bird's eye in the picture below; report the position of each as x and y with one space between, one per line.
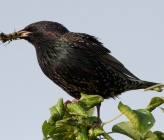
31 28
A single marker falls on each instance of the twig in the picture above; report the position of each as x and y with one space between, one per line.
111 120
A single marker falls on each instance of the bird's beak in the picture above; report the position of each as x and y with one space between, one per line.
13 36
21 34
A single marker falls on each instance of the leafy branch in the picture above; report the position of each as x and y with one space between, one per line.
72 122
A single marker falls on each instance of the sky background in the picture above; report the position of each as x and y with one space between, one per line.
132 30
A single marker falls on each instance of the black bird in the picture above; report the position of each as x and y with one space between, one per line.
78 62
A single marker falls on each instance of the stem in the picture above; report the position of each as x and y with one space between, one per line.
107 136
111 120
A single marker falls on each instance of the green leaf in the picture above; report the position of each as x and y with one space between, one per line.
91 120
65 126
90 111
57 137
150 136
155 102
146 120
66 121
160 135
76 109
96 131
66 129
89 101
46 127
128 129
82 136
69 136
142 118
56 112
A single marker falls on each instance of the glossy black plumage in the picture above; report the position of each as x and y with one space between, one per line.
78 62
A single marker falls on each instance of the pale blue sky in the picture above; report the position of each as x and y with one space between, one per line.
132 30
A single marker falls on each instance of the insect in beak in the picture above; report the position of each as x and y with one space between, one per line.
13 36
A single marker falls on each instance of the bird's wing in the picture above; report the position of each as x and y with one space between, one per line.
117 65
92 45
85 41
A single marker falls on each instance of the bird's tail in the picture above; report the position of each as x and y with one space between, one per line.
146 85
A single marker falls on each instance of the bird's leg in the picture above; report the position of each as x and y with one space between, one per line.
98 114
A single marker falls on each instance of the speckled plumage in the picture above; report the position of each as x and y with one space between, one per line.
78 62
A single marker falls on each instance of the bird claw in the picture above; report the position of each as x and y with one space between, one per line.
157 87
69 102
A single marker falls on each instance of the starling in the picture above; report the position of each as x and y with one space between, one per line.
77 62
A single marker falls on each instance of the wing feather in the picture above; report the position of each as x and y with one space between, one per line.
93 46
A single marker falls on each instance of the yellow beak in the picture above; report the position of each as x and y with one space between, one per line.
22 33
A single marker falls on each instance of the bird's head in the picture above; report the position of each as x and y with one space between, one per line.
37 32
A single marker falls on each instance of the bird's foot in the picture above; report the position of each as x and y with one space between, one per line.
69 102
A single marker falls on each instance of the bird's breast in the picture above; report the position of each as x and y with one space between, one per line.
76 71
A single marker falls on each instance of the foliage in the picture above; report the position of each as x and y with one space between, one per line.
72 122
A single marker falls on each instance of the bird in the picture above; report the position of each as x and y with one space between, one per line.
78 62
